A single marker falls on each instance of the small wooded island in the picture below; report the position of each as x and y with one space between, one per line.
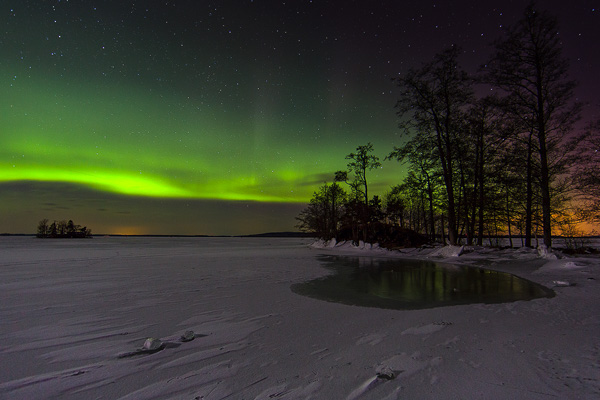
62 229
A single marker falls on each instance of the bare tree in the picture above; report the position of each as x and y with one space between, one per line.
360 162
529 67
324 212
423 174
43 228
432 103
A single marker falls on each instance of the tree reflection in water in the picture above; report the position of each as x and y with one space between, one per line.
415 284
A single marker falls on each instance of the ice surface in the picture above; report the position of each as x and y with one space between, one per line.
68 309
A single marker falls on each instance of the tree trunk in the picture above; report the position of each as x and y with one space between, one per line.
474 203
529 200
544 175
508 222
481 200
333 228
445 153
452 228
443 230
431 216
452 234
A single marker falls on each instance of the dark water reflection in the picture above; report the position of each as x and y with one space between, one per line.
413 284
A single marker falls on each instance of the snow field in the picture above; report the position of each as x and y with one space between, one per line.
69 309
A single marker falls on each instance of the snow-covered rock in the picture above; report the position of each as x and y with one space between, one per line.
152 344
562 283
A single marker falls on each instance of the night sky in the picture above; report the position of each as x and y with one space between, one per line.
221 117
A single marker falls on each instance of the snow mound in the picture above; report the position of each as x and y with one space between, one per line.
345 245
323 244
366 246
559 265
448 251
318 244
544 252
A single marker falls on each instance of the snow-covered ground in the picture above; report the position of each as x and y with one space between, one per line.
73 313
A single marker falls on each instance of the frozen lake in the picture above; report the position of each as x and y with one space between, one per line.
70 308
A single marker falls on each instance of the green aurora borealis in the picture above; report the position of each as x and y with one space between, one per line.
117 140
133 141
199 118
126 148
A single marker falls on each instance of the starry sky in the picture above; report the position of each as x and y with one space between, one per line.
221 117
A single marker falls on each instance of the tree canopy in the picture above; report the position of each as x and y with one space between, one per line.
479 166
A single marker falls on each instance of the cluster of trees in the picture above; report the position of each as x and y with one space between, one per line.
478 166
62 229
335 213
331 208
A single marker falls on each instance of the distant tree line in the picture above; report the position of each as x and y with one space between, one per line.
507 163
61 229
